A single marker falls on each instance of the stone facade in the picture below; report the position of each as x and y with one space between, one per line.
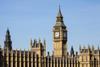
36 56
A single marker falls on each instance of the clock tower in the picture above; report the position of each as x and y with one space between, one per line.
59 37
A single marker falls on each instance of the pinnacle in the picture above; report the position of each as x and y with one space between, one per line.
8 32
59 12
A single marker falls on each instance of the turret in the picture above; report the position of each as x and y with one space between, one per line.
44 48
31 43
38 47
8 42
72 51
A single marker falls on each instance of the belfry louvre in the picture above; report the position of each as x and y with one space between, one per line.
36 56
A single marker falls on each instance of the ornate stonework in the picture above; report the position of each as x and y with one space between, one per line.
36 56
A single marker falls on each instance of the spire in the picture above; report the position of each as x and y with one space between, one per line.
0 47
59 12
44 48
35 43
59 20
80 48
31 43
39 43
59 16
44 42
72 51
98 47
39 40
92 47
8 35
8 42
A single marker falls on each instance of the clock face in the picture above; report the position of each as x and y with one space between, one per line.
56 34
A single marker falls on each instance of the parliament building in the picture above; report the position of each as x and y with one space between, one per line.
37 57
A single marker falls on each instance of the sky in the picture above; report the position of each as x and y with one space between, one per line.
34 19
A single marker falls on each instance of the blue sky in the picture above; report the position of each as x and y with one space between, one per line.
34 19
